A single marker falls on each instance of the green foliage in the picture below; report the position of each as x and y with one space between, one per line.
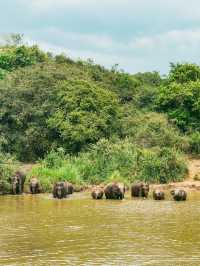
120 161
2 73
42 108
48 176
183 73
161 166
104 120
106 157
85 114
182 104
12 57
194 140
126 87
151 79
25 104
151 129
6 170
54 159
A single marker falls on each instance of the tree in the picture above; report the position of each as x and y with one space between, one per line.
182 104
13 57
182 73
44 106
14 39
85 114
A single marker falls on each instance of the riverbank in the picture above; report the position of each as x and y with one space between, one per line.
192 181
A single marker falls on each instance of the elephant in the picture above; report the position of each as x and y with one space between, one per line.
70 188
62 189
140 190
179 194
17 183
97 193
158 194
114 191
34 186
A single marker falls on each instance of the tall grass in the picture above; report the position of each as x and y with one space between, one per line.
121 160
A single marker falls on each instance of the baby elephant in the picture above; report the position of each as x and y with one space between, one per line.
140 190
17 183
179 194
34 186
158 194
97 193
114 191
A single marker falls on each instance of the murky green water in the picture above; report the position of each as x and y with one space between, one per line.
38 230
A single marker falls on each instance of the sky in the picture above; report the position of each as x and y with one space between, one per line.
139 35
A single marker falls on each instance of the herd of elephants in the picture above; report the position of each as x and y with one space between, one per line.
113 190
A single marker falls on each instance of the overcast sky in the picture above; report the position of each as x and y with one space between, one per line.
139 35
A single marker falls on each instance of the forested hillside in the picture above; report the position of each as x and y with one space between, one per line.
88 124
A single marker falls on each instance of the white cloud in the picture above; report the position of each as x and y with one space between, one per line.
179 8
139 54
175 39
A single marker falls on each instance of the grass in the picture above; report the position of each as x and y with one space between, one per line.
107 161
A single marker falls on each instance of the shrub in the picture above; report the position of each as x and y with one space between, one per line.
161 166
182 73
120 161
85 113
194 140
151 129
7 168
48 176
12 57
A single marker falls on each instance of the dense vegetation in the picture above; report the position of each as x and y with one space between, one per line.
88 124
8 165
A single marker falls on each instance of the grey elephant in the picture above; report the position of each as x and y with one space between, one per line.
70 188
97 193
17 183
35 186
140 190
158 194
179 194
114 191
62 189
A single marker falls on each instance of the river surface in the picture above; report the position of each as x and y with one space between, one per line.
39 230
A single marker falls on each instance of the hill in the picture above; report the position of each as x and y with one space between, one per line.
91 124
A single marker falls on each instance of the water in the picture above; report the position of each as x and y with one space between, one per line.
38 230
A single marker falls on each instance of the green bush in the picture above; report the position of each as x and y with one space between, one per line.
161 166
120 161
42 108
151 129
7 168
85 113
12 57
181 103
54 159
183 73
194 140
